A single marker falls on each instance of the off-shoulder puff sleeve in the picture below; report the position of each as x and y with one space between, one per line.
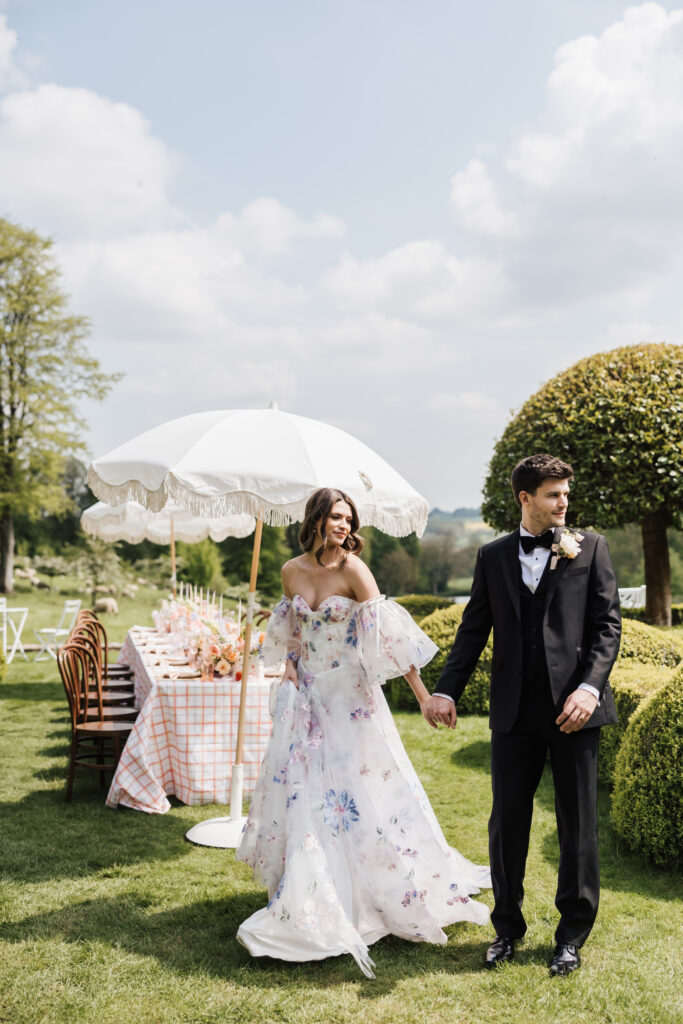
390 641
282 634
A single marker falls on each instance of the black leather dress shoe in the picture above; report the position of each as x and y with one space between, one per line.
565 960
500 951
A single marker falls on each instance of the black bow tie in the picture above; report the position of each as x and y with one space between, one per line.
544 541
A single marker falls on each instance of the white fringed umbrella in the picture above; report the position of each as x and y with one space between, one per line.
260 462
133 523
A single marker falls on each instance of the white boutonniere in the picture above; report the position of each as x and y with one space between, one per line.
568 546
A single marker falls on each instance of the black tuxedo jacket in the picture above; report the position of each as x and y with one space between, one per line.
581 628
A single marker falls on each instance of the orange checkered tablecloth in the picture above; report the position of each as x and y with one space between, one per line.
183 742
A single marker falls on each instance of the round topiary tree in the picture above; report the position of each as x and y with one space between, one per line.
617 417
647 802
649 645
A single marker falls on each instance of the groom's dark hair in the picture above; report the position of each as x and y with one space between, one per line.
529 474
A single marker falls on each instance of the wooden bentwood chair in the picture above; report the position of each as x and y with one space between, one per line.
117 671
98 731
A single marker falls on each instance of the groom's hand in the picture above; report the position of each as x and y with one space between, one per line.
440 711
578 708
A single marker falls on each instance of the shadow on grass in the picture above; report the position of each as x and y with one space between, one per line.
620 871
44 837
475 755
200 938
33 692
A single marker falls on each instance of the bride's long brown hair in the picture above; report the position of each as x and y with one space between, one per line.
318 508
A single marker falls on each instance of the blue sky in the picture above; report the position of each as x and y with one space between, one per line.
398 217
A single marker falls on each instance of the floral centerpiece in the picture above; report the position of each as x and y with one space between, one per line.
205 636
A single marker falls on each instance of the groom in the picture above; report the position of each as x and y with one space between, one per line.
551 597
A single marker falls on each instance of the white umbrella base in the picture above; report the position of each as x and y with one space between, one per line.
223 833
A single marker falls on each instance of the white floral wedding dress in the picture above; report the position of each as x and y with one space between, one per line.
340 830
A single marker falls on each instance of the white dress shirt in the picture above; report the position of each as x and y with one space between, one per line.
533 566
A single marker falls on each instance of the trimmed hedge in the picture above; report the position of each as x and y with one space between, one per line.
422 605
632 683
647 803
441 627
649 645
639 614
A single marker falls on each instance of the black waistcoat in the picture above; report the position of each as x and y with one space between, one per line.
532 608
536 704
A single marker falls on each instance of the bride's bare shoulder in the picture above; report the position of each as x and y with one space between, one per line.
290 570
359 578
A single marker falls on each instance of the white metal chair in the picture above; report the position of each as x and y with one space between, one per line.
13 619
51 638
632 597
16 620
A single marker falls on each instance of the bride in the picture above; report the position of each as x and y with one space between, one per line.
340 830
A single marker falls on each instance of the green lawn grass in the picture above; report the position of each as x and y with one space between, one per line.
111 917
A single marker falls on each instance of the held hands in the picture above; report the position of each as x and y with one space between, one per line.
439 711
578 708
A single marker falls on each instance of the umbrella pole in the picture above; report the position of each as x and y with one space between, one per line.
226 833
173 576
237 783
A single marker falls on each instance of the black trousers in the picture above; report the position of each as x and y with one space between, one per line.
517 761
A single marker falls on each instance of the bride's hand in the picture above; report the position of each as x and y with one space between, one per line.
290 674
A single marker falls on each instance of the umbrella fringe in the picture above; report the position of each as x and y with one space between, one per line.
396 524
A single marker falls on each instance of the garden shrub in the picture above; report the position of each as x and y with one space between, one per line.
631 683
422 605
639 614
3 666
441 627
649 644
647 802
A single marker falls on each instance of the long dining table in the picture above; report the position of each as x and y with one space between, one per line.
183 741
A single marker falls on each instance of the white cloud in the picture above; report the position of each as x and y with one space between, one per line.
266 228
81 164
476 205
176 284
8 42
421 281
593 205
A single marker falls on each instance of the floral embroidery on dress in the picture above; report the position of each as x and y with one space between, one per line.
339 810
412 896
352 632
276 895
359 713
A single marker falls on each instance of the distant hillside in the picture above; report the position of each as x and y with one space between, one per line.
464 524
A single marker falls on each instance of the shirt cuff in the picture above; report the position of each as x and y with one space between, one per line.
591 689
446 696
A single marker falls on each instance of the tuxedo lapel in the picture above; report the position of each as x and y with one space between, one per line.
509 554
555 574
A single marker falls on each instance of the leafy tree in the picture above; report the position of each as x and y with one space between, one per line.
100 568
438 557
393 561
275 551
200 564
44 372
617 417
